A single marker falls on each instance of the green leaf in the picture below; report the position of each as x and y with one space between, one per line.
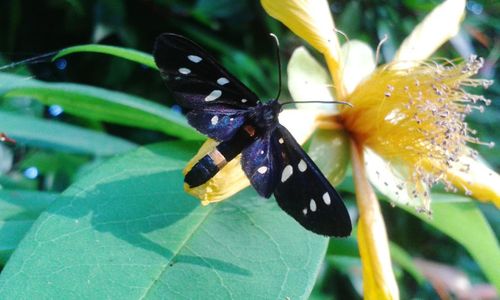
349 248
100 104
214 9
18 211
344 247
336 144
23 205
17 181
128 230
351 18
11 233
125 53
459 218
400 256
59 168
59 136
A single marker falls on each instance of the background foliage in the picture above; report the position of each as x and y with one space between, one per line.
77 175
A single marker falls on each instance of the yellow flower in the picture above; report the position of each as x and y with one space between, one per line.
225 183
406 125
406 129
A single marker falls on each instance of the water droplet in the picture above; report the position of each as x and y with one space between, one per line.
55 110
31 172
61 63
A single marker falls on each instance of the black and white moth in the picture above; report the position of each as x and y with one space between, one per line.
221 107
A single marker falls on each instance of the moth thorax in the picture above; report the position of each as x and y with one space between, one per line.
266 115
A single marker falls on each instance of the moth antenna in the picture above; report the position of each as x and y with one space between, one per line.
379 46
277 43
32 60
342 34
347 52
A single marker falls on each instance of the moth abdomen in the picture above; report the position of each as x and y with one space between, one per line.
201 172
216 159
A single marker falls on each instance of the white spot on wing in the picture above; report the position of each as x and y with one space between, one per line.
326 199
287 172
261 152
214 120
262 170
304 211
222 81
244 100
302 166
312 205
213 95
194 58
184 71
281 141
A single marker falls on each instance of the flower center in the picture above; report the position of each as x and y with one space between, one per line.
415 115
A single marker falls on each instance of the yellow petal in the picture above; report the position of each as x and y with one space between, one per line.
309 19
312 21
359 63
301 123
330 151
224 184
437 28
308 80
475 178
392 180
378 277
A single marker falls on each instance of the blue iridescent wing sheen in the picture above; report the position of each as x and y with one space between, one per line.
261 163
303 191
195 79
217 123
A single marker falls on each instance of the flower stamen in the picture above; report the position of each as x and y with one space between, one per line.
415 116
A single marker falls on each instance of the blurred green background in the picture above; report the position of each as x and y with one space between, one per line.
237 33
